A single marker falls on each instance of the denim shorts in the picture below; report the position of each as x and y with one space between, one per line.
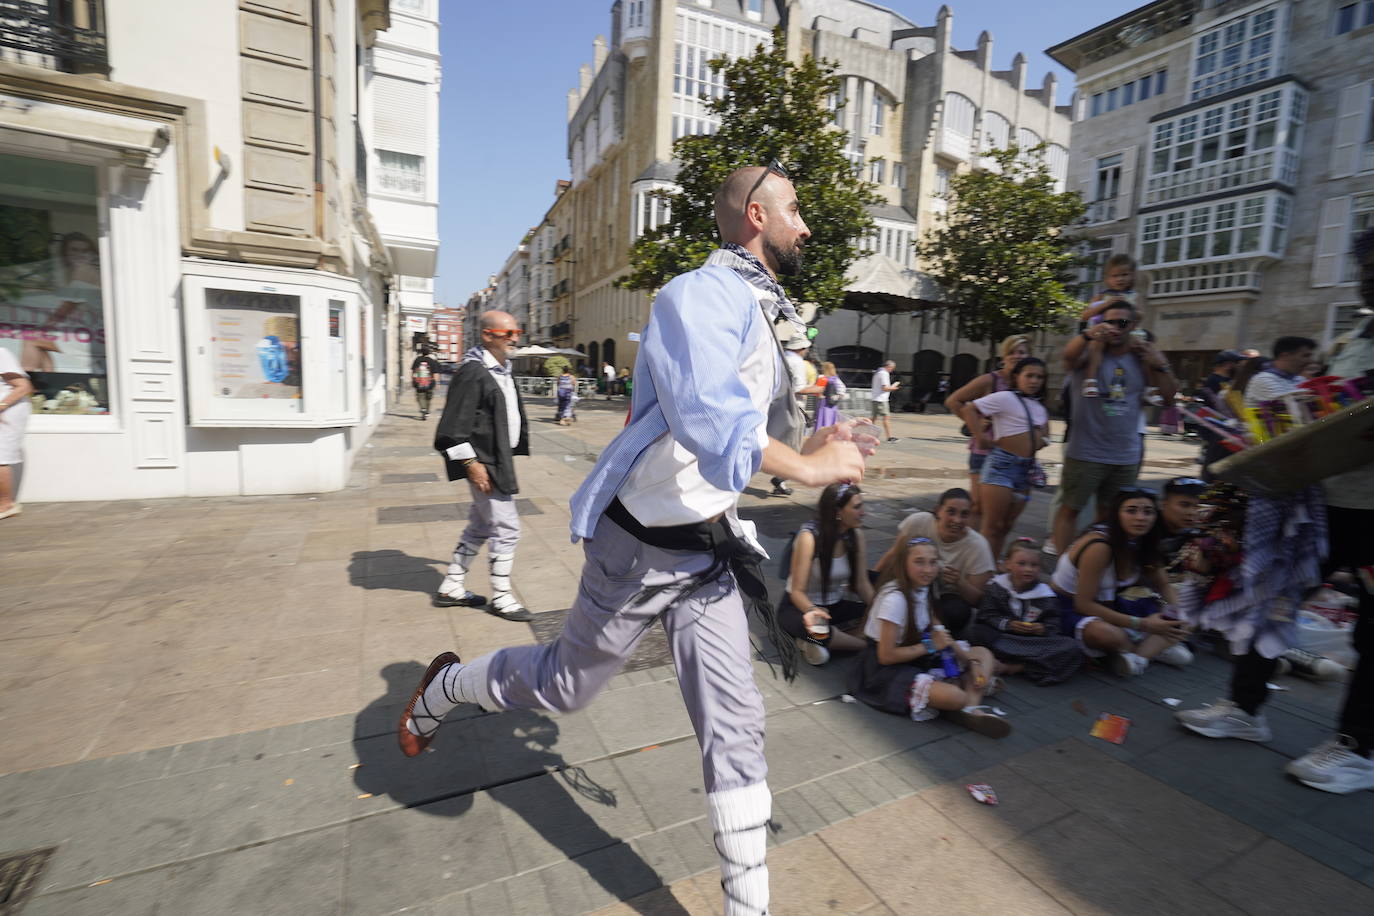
975 462
1003 469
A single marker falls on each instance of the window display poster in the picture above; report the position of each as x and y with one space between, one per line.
52 315
255 344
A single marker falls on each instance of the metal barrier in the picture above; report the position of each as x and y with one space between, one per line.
541 387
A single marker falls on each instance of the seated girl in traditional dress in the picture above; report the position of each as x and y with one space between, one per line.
1018 619
911 665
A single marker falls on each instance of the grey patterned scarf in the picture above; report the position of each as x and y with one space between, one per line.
742 261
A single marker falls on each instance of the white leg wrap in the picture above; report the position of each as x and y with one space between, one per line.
463 556
740 820
499 569
454 684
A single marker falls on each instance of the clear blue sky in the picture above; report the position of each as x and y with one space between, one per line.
508 66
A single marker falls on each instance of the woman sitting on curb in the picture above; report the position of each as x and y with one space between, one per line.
827 589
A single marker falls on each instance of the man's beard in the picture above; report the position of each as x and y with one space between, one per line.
788 261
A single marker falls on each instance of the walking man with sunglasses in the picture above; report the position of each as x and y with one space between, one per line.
481 431
661 536
1106 448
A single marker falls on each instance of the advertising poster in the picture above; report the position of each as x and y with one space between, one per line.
52 313
255 344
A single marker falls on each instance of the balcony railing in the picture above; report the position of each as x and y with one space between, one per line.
63 35
1199 181
1102 211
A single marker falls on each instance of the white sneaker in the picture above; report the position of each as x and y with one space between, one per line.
1177 655
1128 664
1333 766
813 653
1225 719
1048 549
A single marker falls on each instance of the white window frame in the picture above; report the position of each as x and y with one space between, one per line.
876 111
1238 34
1215 231
1362 15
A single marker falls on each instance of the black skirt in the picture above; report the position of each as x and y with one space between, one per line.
1049 659
886 687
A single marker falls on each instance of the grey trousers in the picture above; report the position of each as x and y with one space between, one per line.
707 634
492 518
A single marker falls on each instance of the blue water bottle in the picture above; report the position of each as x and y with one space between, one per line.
948 661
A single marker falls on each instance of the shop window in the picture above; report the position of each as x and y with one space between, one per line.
52 282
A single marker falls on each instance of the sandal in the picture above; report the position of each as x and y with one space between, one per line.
1090 388
983 720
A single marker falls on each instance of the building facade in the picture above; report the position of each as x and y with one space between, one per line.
192 274
1230 148
400 114
446 333
915 111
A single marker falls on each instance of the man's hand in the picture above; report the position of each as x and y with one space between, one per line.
831 461
477 473
949 576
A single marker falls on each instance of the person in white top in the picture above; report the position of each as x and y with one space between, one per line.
14 418
1020 428
828 588
1282 375
883 386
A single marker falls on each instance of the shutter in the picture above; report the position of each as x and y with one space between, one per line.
1125 195
1345 148
400 108
1332 237
1121 243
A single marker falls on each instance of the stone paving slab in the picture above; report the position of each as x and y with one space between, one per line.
243 662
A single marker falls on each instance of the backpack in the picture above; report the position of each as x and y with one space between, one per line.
834 390
785 561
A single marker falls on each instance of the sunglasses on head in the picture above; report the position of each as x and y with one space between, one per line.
914 541
504 333
774 167
1137 491
1122 323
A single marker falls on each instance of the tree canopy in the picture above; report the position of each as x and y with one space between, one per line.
1001 251
771 108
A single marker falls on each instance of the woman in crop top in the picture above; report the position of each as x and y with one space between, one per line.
1097 579
827 582
1020 428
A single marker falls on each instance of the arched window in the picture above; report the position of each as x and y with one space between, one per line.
959 114
1057 158
1026 138
996 131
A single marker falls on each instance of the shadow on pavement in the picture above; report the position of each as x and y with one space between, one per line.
502 754
394 569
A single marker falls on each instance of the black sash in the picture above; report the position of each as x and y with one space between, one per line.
731 553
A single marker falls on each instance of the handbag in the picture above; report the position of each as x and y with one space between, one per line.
1035 475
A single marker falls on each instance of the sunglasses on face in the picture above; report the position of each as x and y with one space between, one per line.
776 168
504 334
1122 323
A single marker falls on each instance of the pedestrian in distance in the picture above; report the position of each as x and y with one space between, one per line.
882 389
15 410
481 431
424 377
566 388
1020 428
661 536
803 378
832 395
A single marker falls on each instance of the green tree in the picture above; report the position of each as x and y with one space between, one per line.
554 366
1000 251
772 108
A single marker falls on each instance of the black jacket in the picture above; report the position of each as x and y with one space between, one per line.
475 413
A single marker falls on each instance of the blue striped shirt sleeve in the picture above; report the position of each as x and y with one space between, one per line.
693 346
